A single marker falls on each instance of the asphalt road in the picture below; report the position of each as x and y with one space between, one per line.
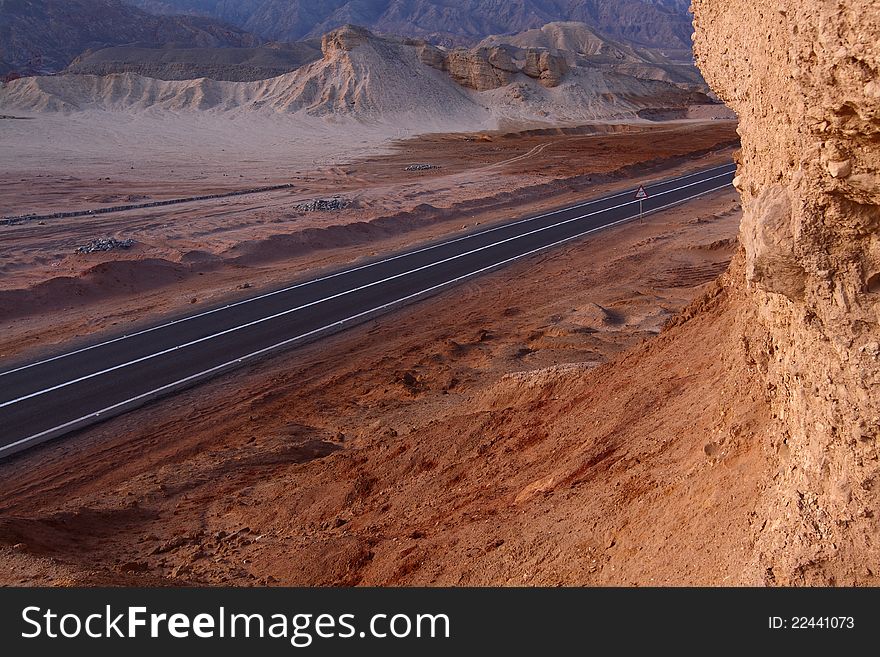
48 398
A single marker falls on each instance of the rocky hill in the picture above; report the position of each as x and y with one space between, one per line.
660 23
45 35
802 78
233 64
570 45
390 80
582 45
581 39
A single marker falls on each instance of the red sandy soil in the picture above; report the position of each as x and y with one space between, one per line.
199 254
530 427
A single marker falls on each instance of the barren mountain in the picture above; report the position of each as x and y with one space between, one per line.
577 43
234 64
662 23
361 76
38 35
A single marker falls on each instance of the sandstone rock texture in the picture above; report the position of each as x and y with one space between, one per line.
805 81
496 66
346 38
481 68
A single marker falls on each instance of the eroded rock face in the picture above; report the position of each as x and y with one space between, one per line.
432 56
345 38
771 262
479 69
803 79
496 66
544 66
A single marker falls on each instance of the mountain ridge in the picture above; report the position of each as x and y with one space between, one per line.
229 64
655 23
46 35
368 78
570 44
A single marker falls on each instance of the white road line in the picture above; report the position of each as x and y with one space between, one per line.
341 322
330 298
349 271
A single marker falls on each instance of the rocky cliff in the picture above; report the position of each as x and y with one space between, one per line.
803 79
580 45
496 66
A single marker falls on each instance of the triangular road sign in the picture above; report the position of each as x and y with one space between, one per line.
641 194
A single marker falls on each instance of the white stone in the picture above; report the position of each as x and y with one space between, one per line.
839 168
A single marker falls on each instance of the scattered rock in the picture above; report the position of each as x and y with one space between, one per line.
410 380
872 349
324 205
105 244
198 554
181 570
170 545
839 169
134 567
421 167
712 449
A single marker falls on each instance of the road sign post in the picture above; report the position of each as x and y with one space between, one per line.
641 195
